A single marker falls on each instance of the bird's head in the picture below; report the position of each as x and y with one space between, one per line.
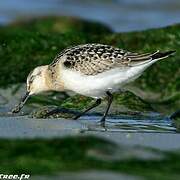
36 83
36 80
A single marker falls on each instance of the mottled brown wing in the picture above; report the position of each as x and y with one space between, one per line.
91 59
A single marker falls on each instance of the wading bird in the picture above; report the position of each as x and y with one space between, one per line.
93 70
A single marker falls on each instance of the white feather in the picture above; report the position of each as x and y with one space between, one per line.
96 86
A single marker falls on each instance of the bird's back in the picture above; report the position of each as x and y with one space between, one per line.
94 68
92 59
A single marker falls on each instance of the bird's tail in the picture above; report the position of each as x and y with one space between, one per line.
161 55
148 58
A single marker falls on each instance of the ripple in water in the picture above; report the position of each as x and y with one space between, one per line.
131 124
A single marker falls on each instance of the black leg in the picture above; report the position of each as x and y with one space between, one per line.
110 99
98 102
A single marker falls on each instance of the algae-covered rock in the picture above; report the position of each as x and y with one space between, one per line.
25 45
53 112
126 104
176 119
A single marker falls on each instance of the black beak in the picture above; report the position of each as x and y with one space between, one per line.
21 104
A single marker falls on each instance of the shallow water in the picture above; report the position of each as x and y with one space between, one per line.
154 123
138 133
129 124
120 15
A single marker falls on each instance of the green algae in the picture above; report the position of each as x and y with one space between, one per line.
40 156
132 102
27 45
126 103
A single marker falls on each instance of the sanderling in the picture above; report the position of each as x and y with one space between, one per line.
93 70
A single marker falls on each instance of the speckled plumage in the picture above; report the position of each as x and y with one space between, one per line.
93 70
92 59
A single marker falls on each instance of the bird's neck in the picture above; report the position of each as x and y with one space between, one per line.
53 78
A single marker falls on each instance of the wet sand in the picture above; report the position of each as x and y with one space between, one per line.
24 127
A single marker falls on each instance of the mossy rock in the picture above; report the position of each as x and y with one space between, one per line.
53 112
176 119
124 104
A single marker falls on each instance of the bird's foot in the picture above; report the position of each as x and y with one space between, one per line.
16 109
103 123
77 117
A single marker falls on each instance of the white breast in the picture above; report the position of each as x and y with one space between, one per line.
96 86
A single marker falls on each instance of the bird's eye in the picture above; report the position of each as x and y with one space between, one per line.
31 79
39 73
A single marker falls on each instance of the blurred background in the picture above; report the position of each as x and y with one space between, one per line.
120 15
142 140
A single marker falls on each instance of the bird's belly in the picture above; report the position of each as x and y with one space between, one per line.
96 86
